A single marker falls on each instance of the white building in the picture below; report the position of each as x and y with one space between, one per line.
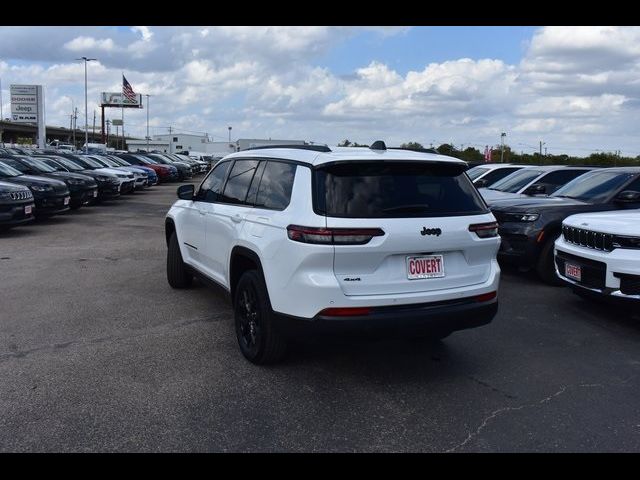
178 142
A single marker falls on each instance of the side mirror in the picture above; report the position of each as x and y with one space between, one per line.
628 196
186 192
481 183
536 190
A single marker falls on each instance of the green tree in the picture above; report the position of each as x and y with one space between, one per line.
412 146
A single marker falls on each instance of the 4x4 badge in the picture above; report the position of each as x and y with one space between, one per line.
431 231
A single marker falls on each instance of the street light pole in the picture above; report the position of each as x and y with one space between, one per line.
229 134
86 113
147 95
502 135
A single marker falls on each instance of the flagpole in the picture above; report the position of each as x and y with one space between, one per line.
122 109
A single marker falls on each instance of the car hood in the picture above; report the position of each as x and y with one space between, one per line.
11 187
58 185
116 172
620 223
534 204
492 195
78 176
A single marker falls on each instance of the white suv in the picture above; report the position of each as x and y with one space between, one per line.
599 253
308 239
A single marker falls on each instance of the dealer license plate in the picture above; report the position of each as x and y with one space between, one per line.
66 200
28 209
573 271
427 266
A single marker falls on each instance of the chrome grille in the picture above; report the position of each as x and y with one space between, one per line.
21 195
588 238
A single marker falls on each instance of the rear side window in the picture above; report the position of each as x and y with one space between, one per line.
402 189
555 180
211 188
274 191
235 191
498 174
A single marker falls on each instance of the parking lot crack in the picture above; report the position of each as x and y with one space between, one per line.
500 411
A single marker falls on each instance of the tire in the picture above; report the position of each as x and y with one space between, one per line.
546 267
178 274
259 340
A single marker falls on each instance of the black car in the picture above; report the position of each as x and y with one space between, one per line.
127 178
185 171
16 205
108 185
51 196
529 227
83 188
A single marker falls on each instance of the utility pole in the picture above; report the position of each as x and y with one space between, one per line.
170 141
75 126
147 95
108 130
502 135
94 126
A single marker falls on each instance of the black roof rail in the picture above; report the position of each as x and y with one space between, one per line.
315 148
421 150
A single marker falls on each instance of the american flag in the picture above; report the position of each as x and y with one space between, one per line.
127 91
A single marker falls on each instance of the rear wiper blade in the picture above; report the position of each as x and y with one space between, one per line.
407 208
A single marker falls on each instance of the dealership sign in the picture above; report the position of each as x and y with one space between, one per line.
27 106
25 103
117 99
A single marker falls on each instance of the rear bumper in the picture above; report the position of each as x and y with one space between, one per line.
444 316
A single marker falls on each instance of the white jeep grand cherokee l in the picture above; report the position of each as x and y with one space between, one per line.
308 239
599 253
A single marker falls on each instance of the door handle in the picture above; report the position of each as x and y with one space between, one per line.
236 218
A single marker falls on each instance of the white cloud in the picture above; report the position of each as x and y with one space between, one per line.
80 44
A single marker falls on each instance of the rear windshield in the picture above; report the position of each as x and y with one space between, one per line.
401 189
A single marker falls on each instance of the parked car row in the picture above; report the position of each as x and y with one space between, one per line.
576 226
40 183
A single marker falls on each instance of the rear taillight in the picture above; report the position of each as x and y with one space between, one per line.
485 230
485 297
345 312
332 236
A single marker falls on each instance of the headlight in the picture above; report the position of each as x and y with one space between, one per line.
519 217
75 181
104 178
41 188
623 241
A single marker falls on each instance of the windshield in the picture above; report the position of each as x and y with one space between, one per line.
119 161
15 164
69 164
7 171
160 159
38 165
595 186
381 190
104 161
475 172
146 160
516 180
89 161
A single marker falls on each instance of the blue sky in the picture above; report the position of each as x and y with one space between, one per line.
416 47
574 88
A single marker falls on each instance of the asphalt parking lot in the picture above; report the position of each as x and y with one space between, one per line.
98 353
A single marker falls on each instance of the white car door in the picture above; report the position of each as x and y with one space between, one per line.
196 215
227 216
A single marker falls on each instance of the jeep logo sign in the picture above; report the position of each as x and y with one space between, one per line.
431 231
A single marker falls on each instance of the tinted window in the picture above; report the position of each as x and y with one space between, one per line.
14 164
368 190
211 188
253 189
557 179
594 186
498 174
633 186
516 181
235 191
475 172
275 185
